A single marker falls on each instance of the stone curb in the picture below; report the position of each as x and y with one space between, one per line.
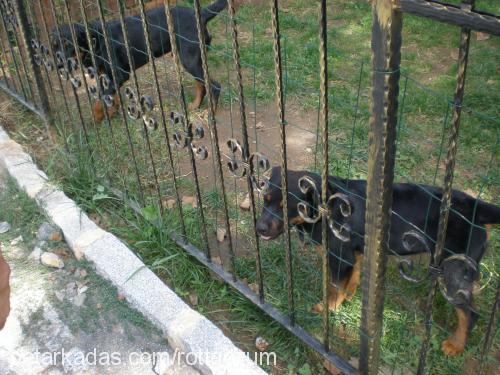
204 345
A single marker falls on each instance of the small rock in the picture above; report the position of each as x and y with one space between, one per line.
83 289
4 227
98 306
190 201
79 299
71 288
59 295
193 298
47 232
245 205
51 260
308 150
81 273
261 344
16 240
221 234
36 253
39 139
259 125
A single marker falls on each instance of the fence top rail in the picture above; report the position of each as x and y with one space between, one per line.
453 14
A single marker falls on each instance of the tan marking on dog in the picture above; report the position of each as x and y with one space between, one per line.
199 95
487 228
297 220
98 111
455 344
354 278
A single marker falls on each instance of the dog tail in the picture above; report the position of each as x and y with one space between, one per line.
487 213
212 10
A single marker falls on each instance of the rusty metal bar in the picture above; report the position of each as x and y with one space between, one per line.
159 96
437 257
490 331
386 56
453 14
246 144
213 127
284 181
175 55
323 122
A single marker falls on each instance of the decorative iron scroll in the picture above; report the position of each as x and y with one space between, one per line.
310 211
102 82
42 55
414 239
185 131
241 164
141 108
67 69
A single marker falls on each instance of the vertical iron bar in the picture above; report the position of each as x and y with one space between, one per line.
24 29
158 94
12 55
213 127
134 79
118 93
437 256
246 145
53 56
386 56
490 331
284 181
323 120
175 55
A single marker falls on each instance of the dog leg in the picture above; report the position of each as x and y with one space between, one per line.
200 92
353 282
336 295
455 344
116 105
98 111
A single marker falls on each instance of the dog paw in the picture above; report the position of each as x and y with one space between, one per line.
318 307
451 348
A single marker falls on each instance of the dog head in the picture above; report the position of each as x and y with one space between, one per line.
270 223
64 48
459 274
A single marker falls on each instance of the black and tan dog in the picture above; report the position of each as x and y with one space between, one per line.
187 41
412 205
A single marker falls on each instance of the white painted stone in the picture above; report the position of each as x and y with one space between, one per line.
85 240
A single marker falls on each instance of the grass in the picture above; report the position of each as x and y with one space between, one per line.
427 84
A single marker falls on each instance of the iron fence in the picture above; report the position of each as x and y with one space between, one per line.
95 71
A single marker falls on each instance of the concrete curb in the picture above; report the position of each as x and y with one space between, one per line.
203 344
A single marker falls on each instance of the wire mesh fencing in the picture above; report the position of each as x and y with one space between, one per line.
276 171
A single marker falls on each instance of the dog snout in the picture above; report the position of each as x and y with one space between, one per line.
465 295
262 227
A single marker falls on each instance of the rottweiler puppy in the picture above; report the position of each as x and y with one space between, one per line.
414 225
187 41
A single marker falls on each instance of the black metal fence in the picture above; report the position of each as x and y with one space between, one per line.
117 100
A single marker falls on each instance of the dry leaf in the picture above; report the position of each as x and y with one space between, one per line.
121 297
193 298
254 287
169 203
245 205
261 344
331 368
221 234
190 200
259 125
217 260
482 36
61 251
